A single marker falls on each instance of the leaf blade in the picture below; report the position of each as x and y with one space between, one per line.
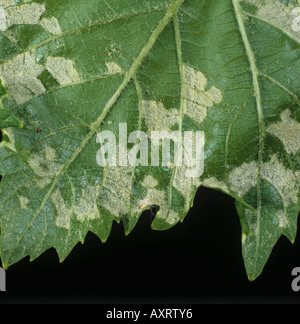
197 66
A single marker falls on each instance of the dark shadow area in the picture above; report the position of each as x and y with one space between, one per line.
198 261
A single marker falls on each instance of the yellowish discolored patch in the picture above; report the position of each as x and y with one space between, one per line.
63 70
24 201
63 212
27 14
86 208
278 14
116 192
43 182
113 68
172 217
282 219
185 185
51 25
197 98
149 182
242 179
283 179
3 23
20 77
45 164
288 131
158 118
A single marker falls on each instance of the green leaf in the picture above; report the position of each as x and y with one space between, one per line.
73 69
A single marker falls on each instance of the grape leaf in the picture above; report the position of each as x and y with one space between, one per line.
74 69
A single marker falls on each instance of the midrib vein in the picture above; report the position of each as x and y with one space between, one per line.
94 127
257 92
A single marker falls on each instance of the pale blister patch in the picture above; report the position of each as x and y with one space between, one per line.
27 14
51 25
278 14
113 68
186 177
86 207
172 218
42 182
195 79
288 131
149 182
242 179
158 118
197 98
251 218
3 22
45 164
63 212
20 77
24 201
63 70
185 185
116 192
12 35
282 219
50 153
282 179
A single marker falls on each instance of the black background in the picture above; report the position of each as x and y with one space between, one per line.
198 261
